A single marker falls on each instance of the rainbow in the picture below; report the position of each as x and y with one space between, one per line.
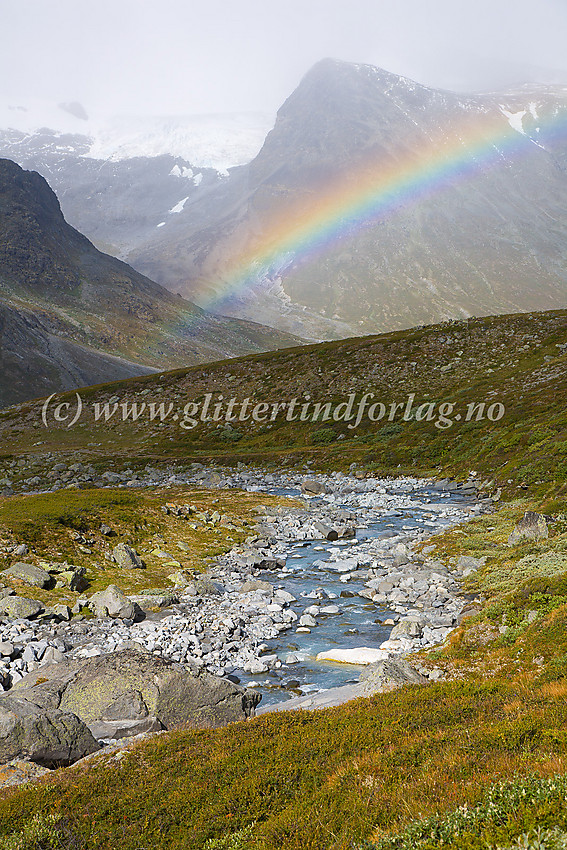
376 190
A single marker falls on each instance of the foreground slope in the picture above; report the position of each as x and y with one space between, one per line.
61 298
476 759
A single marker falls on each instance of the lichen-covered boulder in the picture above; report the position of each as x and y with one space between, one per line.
19 607
111 603
28 574
141 686
390 674
127 557
46 736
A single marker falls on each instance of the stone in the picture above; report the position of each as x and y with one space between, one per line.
206 587
49 737
104 730
344 566
399 560
127 558
406 628
75 578
20 772
52 655
327 532
21 551
357 655
532 526
311 487
256 584
283 597
111 603
389 674
6 649
467 564
62 611
180 578
19 607
255 666
97 688
28 574
307 620
106 530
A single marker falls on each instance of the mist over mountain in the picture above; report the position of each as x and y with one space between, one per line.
490 241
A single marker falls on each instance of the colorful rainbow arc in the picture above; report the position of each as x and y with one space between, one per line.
373 192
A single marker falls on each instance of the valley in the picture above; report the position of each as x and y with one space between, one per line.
283 446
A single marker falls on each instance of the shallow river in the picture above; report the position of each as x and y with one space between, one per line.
359 621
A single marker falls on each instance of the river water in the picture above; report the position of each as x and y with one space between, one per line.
359 621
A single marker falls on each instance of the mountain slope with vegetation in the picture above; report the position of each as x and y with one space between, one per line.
70 315
518 362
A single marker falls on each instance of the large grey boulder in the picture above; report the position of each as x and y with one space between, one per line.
387 675
19 607
49 737
127 557
139 686
28 574
532 526
311 487
406 628
111 603
327 532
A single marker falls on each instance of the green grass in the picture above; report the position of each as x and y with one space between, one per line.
49 524
528 812
31 518
514 360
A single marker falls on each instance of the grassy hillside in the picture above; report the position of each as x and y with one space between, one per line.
519 362
476 760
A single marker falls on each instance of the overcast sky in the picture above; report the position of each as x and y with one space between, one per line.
203 56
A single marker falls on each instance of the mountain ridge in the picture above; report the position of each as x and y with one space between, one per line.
480 246
57 289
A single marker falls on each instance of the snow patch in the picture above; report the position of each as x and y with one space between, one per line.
198 179
161 224
176 171
515 119
219 142
178 207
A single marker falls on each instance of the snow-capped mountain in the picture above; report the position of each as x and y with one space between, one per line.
120 178
216 142
413 204
481 228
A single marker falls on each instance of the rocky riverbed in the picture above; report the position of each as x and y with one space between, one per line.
333 579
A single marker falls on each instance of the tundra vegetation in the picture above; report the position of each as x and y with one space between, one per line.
478 759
